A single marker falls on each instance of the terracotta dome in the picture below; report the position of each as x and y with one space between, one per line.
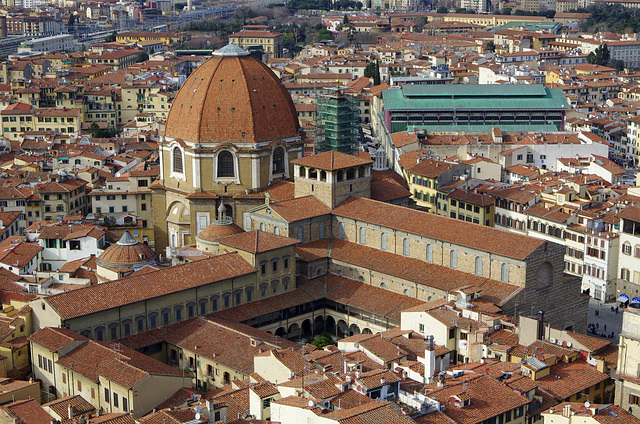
232 97
215 231
126 253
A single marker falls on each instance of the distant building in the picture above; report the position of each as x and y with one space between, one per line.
269 41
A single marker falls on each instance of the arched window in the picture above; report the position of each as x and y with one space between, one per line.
263 289
278 160
363 235
453 259
405 247
276 231
202 306
321 230
429 253
406 292
300 233
248 292
262 226
178 164
478 265
504 273
383 285
274 286
383 241
285 283
226 167
341 231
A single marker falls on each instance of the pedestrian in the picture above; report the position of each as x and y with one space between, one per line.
597 313
605 327
616 309
597 325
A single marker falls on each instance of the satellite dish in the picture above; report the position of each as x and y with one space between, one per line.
587 404
310 404
198 408
356 345
197 416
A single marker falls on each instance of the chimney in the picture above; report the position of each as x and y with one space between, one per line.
70 412
540 335
429 360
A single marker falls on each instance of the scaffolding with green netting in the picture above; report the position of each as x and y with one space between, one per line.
337 123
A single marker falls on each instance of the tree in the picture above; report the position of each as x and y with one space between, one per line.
376 76
345 21
72 20
370 70
617 64
506 10
600 56
323 340
111 38
490 47
95 130
141 57
442 9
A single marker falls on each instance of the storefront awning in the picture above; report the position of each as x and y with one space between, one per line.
623 298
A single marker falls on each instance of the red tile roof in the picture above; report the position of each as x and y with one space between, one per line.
450 230
332 160
92 299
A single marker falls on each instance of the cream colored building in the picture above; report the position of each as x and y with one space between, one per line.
627 376
111 377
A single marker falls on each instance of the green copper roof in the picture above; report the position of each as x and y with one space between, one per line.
474 97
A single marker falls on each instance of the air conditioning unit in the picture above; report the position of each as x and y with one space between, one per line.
568 344
497 327
552 340
559 342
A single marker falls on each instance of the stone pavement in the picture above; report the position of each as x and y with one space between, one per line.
612 321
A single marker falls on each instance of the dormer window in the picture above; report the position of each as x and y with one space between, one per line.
278 160
226 166
178 163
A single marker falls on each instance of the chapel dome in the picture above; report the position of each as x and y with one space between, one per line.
215 231
232 97
126 253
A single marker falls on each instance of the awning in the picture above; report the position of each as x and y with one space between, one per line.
635 300
623 298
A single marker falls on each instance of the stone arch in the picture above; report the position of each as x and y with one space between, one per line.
342 330
294 331
281 332
178 213
330 325
354 329
366 331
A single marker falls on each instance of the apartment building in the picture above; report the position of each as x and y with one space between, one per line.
63 196
269 41
629 259
112 377
17 121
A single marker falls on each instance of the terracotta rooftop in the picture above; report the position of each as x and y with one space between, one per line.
235 99
257 241
440 228
149 285
332 160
